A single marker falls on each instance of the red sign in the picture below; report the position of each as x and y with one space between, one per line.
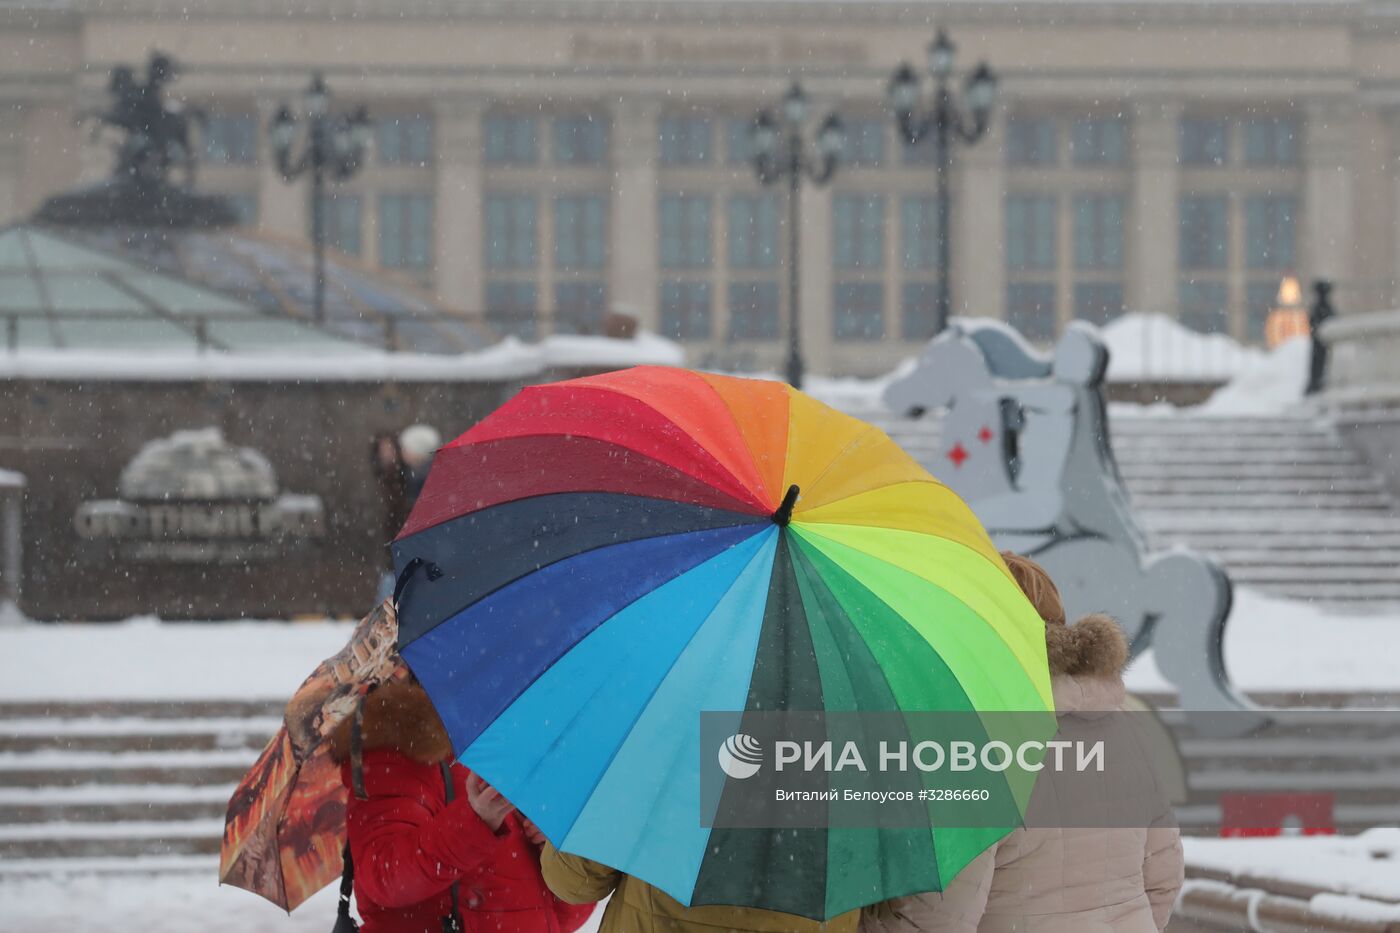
1276 815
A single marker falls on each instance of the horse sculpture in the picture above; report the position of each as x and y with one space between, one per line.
155 135
1027 446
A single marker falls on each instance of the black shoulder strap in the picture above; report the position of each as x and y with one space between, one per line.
344 923
452 924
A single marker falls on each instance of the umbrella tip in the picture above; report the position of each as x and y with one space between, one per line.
784 513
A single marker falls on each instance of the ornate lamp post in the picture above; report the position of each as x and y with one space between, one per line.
949 120
335 147
780 152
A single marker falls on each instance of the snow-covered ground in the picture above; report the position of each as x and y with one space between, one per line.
144 659
164 903
1285 645
1271 644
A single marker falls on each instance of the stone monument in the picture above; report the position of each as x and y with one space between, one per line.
153 141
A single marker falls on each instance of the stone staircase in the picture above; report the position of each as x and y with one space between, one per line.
137 788
1281 501
122 786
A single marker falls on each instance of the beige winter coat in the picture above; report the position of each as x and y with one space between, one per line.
1060 880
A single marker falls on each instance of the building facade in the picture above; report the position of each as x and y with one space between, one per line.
540 163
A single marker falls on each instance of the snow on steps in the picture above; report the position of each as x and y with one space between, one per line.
100 784
131 786
1280 500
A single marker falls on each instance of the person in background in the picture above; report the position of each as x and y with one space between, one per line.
433 846
417 445
1059 880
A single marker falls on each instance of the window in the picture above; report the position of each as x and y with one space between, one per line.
510 231
739 140
1031 141
405 140
921 153
1259 298
1203 141
1098 302
341 215
511 308
1099 141
245 208
1030 308
753 231
230 139
1204 305
405 231
686 140
1271 141
919 310
859 311
580 140
1098 231
685 231
1269 231
580 231
685 310
1030 232
579 307
865 144
918 216
1204 231
858 228
753 311
511 140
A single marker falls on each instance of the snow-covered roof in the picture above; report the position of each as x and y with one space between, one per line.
509 359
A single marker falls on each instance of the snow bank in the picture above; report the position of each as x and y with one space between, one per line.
856 395
1272 384
1280 644
171 902
1153 346
1343 865
509 359
9 479
149 660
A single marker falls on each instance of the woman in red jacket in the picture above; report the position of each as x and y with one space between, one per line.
411 847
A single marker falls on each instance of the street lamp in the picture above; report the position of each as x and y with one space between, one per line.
335 147
780 152
948 120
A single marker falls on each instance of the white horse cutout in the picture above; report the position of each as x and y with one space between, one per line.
1026 443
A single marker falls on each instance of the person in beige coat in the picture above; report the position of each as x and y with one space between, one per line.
1065 880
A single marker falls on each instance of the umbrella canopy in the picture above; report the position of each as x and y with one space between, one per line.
610 556
285 826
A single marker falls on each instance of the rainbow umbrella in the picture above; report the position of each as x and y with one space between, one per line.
607 557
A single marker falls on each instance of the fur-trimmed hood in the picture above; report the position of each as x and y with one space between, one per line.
399 717
1086 664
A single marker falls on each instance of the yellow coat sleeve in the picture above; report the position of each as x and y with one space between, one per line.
575 879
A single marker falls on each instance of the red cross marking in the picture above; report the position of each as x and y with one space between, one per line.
958 454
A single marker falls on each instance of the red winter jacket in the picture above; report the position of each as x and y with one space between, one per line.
409 845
